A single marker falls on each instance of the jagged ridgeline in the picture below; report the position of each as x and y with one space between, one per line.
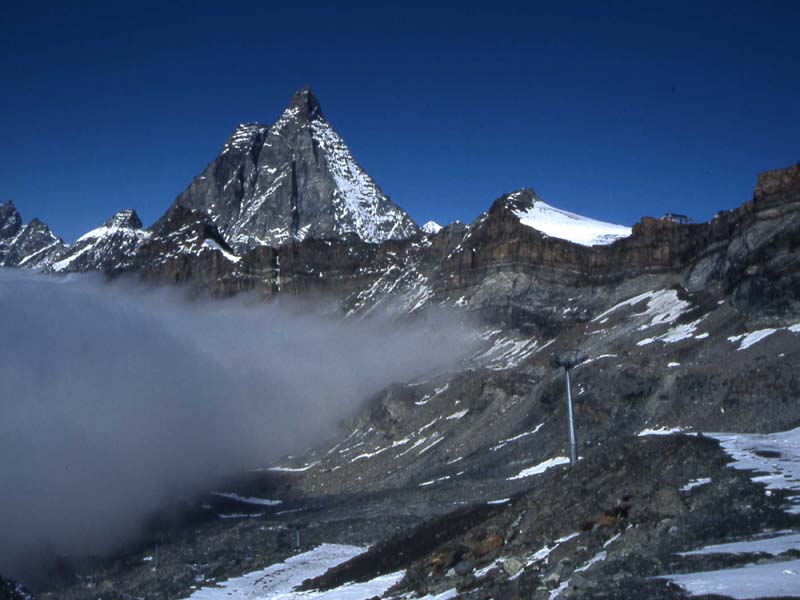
269 186
286 209
30 246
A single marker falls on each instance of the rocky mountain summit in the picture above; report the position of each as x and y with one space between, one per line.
291 181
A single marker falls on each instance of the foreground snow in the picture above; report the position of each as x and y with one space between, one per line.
777 544
277 582
774 459
562 224
776 455
750 581
748 339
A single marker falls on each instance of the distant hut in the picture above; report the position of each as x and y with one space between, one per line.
675 218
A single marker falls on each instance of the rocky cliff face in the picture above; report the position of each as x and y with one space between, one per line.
291 181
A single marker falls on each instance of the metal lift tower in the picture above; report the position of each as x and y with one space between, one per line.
569 361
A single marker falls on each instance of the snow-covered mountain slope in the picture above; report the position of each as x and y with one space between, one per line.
555 222
291 181
106 248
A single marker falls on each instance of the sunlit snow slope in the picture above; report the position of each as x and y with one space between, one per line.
569 226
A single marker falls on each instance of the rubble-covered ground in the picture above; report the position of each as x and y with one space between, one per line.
459 483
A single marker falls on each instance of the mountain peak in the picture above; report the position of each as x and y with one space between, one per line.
124 218
306 103
293 180
431 227
37 224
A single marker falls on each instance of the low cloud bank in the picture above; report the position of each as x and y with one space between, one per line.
114 399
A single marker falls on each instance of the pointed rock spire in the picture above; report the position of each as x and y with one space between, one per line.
306 104
10 220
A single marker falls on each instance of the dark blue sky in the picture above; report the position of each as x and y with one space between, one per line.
611 109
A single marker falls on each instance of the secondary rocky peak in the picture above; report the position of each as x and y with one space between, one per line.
125 218
32 246
39 226
107 247
10 220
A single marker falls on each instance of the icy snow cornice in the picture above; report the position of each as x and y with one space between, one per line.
431 227
554 222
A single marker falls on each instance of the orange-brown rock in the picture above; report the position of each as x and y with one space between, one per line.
489 543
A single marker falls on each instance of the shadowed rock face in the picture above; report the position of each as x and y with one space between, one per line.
292 181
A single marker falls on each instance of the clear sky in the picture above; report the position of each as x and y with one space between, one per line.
610 109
